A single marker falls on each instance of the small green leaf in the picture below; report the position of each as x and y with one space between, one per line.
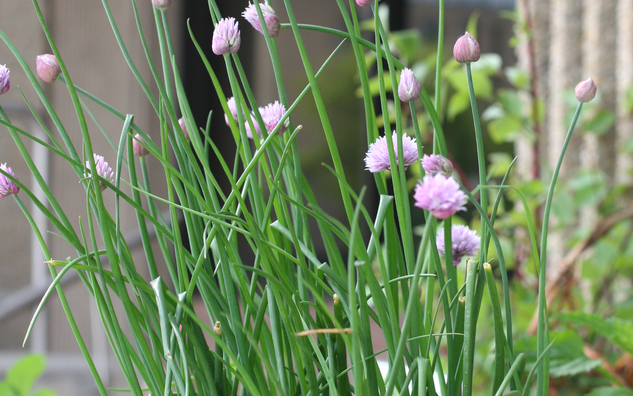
588 187
7 390
574 367
517 77
458 103
504 129
616 330
24 372
600 123
510 101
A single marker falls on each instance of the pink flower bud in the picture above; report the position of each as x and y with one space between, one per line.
47 67
466 49
183 126
161 4
4 79
363 3
7 186
137 146
226 37
271 19
409 88
586 90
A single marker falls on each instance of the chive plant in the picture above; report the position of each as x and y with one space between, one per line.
282 320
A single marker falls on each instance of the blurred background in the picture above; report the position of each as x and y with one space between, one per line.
535 52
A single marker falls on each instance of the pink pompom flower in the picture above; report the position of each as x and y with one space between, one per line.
440 195
272 115
271 19
103 170
465 242
226 37
7 186
377 158
435 163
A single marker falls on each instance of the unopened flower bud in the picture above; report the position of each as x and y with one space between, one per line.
7 186
586 90
218 328
161 4
434 164
47 67
409 88
466 49
335 298
271 19
226 37
183 126
4 79
138 146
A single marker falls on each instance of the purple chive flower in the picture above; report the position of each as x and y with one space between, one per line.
161 4
586 90
183 126
103 170
271 19
5 84
465 242
434 164
226 37
47 67
7 186
440 195
466 49
233 109
258 131
377 158
138 146
272 114
409 88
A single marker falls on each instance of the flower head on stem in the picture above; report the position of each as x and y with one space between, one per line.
5 84
161 4
7 186
466 49
226 37
271 19
465 242
138 146
586 90
440 195
272 115
103 170
435 163
409 87
377 158
47 67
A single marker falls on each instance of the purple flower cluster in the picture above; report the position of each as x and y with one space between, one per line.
434 164
103 170
440 195
5 84
7 186
272 115
377 158
271 19
226 37
465 242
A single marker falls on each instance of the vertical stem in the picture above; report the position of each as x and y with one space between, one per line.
542 330
438 68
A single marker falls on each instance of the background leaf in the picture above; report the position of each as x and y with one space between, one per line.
24 372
